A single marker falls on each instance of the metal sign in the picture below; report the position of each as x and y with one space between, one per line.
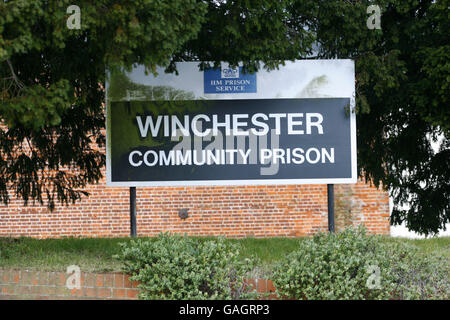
294 125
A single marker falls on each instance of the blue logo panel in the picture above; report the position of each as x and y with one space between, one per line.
229 80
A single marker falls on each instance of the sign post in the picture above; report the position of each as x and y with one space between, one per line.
294 125
330 196
133 230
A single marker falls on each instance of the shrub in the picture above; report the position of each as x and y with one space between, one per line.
175 267
353 265
419 276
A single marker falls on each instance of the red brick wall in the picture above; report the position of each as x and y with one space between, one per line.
238 211
46 285
43 285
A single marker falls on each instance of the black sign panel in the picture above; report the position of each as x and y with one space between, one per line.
226 142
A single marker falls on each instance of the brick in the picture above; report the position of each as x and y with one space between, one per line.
53 278
134 284
62 291
25 277
23 290
270 286
90 280
127 282
132 293
108 280
261 285
5 277
90 292
62 278
16 276
119 293
99 280
104 292
8 289
37 290
76 292
51 290
82 278
119 280
43 278
34 278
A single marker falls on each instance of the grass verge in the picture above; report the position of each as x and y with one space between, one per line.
95 254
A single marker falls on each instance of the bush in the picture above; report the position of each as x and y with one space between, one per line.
353 265
175 267
419 276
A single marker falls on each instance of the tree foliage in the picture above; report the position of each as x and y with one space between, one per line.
403 103
51 82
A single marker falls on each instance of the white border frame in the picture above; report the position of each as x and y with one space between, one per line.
187 183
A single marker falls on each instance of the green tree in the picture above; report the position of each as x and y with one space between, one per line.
402 80
51 88
53 78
